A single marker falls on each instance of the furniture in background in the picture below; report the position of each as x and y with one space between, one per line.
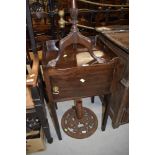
91 14
35 141
116 40
35 106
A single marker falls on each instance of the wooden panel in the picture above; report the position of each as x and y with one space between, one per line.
97 81
118 44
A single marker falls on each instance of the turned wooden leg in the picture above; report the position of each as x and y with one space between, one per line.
92 99
79 108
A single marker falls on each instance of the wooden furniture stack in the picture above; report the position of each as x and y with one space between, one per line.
35 107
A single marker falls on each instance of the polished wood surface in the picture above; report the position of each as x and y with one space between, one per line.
82 81
118 35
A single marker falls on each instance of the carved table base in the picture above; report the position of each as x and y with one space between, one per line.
79 128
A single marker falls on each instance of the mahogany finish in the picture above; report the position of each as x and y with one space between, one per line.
64 83
70 86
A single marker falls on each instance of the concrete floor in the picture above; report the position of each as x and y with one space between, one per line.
110 142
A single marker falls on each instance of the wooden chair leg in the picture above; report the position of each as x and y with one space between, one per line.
43 87
44 122
56 105
106 113
47 132
92 99
40 111
55 120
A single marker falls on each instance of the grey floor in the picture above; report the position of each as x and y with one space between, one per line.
110 142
